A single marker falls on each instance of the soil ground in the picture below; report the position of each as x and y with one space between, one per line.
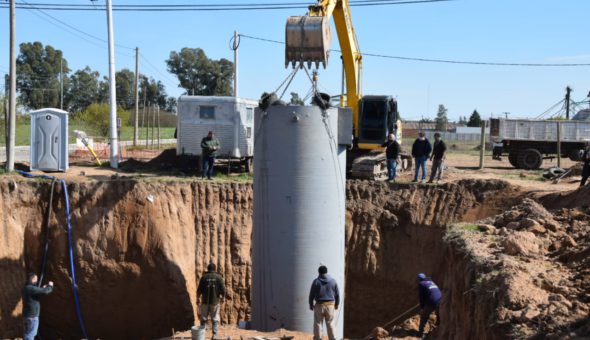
460 164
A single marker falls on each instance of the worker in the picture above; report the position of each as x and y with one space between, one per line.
209 146
211 291
324 292
32 306
392 149
421 151
439 151
586 168
430 297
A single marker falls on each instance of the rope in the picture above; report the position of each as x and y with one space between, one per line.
70 250
394 320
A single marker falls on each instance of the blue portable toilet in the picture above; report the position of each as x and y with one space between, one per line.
49 140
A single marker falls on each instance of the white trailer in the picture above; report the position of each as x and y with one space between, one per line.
528 142
230 118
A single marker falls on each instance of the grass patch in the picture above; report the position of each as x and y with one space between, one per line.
23 133
469 227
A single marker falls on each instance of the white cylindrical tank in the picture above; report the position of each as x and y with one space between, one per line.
299 214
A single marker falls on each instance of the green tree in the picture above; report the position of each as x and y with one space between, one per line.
38 70
125 79
84 89
474 119
295 99
441 118
199 75
462 120
153 91
171 104
97 115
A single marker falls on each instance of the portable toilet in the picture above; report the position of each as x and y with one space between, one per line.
49 140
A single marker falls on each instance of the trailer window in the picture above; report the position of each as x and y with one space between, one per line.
207 112
249 115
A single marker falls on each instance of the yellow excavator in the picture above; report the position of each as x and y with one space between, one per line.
308 41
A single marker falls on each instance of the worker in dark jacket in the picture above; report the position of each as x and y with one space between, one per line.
421 151
430 297
586 168
439 151
32 306
209 147
392 149
211 291
324 292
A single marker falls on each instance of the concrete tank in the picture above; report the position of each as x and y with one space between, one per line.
299 212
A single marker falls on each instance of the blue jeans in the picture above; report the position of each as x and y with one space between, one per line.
420 163
30 326
391 168
208 162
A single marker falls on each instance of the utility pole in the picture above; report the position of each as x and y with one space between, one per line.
568 92
136 121
482 144
61 83
112 89
147 130
12 105
506 114
6 94
153 123
143 111
235 45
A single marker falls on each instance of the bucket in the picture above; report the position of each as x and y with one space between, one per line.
198 333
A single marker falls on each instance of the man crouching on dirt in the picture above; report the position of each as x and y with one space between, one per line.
211 290
430 297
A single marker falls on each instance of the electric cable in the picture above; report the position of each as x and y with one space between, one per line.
447 61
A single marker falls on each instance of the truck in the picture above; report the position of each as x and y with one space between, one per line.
529 142
230 118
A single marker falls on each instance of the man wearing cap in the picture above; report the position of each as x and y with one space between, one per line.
324 292
211 290
439 151
209 147
32 306
430 297
420 151
391 153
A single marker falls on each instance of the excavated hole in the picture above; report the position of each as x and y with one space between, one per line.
138 261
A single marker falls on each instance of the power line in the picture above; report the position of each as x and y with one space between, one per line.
480 63
166 77
207 7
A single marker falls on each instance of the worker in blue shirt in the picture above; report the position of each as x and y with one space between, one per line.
430 297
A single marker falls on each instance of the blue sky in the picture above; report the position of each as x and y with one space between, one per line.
520 31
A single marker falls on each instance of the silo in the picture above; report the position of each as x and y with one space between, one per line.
299 211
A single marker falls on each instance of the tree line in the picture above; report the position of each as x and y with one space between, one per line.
43 75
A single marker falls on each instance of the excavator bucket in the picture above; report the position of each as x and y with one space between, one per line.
308 41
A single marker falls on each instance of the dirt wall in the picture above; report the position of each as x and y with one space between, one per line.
140 248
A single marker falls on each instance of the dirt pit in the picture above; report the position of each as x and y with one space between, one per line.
141 246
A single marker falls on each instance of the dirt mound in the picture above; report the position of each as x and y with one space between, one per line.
577 198
531 270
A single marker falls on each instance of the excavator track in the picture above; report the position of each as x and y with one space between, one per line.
373 165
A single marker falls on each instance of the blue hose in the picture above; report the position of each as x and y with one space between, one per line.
72 270
71 252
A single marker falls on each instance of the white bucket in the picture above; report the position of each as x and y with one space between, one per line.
198 333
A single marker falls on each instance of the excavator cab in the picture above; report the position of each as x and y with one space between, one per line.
308 40
378 118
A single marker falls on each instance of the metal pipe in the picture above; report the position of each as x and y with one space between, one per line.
112 89
12 106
